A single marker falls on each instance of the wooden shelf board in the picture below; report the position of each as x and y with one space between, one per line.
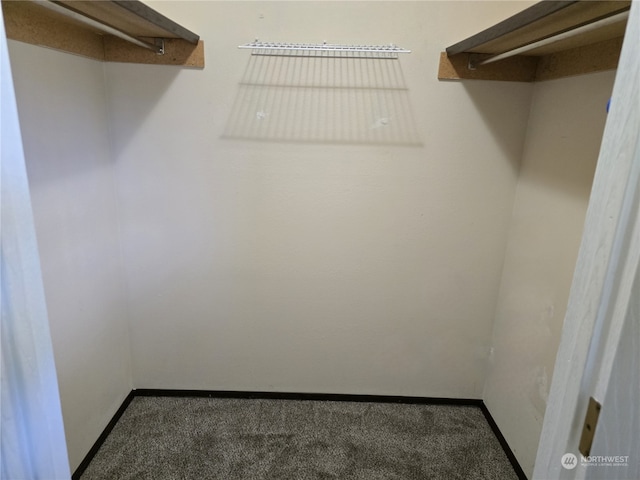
176 52
535 23
596 57
514 69
592 51
132 17
532 14
595 36
27 22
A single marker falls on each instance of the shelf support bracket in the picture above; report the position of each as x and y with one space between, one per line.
476 59
159 44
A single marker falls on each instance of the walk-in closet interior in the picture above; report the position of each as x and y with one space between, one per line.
308 220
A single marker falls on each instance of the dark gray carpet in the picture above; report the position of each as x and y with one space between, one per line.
237 439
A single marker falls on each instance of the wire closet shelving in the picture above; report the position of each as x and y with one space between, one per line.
324 50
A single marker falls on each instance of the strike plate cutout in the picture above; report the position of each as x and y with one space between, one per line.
589 427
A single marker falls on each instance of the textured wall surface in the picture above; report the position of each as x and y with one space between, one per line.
561 151
332 225
306 262
63 116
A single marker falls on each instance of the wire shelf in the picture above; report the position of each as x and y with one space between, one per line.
324 50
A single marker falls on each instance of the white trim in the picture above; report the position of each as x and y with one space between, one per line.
32 440
604 272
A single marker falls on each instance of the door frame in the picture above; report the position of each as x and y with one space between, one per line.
605 270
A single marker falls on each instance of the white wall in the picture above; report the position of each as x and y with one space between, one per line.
561 150
321 267
306 266
32 440
63 115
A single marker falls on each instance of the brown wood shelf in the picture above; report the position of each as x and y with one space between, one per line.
31 22
591 51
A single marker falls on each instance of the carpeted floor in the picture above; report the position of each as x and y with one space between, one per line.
161 438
